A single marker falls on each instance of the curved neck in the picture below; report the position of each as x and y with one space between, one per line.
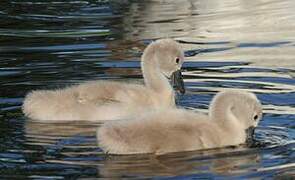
152 75
221 112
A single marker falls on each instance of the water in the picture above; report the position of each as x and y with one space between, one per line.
229 44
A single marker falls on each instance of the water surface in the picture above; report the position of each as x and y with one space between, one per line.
228 44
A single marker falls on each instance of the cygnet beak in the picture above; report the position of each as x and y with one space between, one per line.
250 135
177 81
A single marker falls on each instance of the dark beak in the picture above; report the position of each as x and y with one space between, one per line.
250 136
177 81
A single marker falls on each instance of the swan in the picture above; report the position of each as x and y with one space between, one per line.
109 100
231 120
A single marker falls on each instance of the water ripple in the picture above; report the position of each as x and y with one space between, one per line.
60 33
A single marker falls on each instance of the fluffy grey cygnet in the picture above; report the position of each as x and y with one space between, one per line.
109 100
231 114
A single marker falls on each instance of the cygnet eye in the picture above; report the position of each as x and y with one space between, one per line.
177 60
255 117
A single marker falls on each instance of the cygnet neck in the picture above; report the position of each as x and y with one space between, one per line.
153 77
221 113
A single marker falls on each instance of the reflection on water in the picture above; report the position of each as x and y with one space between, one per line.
228 44
249 30
176 165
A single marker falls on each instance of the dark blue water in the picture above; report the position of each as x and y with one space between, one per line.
229 44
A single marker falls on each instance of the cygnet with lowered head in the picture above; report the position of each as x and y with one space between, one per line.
109 100
232 117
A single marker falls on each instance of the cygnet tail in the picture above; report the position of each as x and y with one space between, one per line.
43 104
33 103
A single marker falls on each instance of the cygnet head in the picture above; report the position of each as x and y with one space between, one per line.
236 109
168 56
